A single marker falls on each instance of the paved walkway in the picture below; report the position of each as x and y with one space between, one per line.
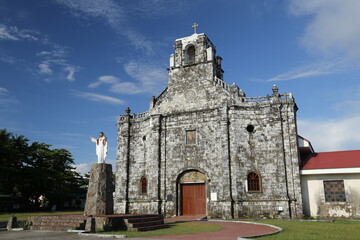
231 230
48 235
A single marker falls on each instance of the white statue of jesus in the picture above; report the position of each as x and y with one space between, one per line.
101 147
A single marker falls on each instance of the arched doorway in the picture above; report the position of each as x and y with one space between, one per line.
192 193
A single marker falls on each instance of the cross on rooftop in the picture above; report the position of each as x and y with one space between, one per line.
194 26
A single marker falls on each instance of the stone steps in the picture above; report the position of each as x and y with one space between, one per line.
143 219
54 228
144 222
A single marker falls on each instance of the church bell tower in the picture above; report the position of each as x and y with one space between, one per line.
193 54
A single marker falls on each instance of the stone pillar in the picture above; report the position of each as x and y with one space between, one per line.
90 225
11 223
99 198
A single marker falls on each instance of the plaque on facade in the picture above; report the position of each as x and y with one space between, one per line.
190 95
191 137
213 196
193 177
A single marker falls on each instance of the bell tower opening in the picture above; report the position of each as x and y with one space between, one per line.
190 55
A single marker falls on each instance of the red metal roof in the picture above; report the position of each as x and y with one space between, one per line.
341 159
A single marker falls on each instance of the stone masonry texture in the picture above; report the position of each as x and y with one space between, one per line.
99 198
234 135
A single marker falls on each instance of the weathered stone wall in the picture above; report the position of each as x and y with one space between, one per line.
99 198
271 151
153 145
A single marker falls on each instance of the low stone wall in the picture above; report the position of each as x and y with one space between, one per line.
3 224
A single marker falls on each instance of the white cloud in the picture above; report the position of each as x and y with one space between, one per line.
116 15
333 27
97 97
7 59
71 72
44 68
354 105
108 79
311 70
331 134
94 84
82 168
151 77
331 34
54 61
55 52
7 101
139 41
6 34
13 33
3 91
127 88
50 60
154 8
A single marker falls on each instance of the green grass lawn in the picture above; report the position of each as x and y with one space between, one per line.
296 230
24 216
173 229
293 230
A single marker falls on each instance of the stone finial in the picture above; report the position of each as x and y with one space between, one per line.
242 93
127 111
275 89
234 89
152 102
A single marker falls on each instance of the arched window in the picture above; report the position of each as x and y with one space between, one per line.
253 181
190 55
143 186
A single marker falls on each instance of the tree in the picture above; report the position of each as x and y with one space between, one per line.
31 171
13 151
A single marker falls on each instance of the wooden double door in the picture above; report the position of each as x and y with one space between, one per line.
193 199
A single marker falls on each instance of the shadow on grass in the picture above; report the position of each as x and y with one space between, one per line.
172 228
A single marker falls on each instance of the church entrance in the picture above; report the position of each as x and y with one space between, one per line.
193 194
193 199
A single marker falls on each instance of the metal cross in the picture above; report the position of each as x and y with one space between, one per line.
194 26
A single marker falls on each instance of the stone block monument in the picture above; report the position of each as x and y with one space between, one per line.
99 198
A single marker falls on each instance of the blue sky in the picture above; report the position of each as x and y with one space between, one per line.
69 68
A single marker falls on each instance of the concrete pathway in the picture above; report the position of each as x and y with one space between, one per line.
231 231
49 235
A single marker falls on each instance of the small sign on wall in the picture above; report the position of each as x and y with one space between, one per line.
213 196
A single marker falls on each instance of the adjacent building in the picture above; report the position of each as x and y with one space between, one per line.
330 184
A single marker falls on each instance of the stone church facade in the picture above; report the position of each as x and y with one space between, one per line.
204 148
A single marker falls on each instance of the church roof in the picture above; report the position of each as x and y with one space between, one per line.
305 144
340 159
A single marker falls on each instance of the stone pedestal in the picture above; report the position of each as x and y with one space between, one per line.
99 198
11 223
